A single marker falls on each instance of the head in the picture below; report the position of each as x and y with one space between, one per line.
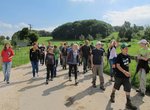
86 42
98 45
143 43
113 43
7 46
124 48
75 47
50 50
55 47
49 43
65 45
35 46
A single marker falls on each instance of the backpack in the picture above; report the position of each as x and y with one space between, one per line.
50 59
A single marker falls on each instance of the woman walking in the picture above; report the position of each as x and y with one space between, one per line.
50 62
34 58
72 60
7 55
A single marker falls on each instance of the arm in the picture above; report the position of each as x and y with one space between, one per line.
92 61
126 73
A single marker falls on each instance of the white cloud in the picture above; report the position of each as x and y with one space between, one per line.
138 15
7 29
82 0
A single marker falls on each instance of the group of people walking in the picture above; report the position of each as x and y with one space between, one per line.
92 58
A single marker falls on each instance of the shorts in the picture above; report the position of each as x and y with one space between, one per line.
122 81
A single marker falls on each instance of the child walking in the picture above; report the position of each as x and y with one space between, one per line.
50 63
122 76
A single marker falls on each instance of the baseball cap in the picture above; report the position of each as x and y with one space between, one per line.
143 41
124 45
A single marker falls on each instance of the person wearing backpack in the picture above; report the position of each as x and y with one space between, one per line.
143 66
50 63
111 56
96 63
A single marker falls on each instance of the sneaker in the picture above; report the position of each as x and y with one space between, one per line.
102 88
131 106
46 82
112 97
51 79
7 82
76 83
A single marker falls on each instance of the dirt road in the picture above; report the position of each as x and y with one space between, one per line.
25 93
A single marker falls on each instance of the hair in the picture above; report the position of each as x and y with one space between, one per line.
86 42
5 48
55 46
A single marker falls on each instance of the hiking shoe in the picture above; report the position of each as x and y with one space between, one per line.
102 88
94 85
112 97
51 79
46 82
131 106
70 79
7 82
138 90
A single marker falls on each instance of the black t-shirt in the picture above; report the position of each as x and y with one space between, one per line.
85 51
97 56
64 51
124 61
34 55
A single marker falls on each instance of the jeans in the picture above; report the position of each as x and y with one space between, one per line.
85 63
111 62
6 70
35 67
55 67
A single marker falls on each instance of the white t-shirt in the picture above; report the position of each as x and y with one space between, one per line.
113 53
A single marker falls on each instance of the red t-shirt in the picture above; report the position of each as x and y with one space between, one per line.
7 55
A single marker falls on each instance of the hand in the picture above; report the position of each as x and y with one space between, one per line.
127 74
113 66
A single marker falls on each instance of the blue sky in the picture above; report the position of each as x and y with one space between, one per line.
48 14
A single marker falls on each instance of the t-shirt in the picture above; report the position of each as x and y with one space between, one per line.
7 54
34 55
97 56
56 53
85 51
124 61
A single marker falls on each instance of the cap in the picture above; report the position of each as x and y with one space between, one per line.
124 45
143 41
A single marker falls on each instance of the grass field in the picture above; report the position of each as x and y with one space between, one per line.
22 55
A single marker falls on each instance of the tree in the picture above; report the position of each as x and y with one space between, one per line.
33 37
23 34
82 38
147 33
85 27
8 38
2 38
89 37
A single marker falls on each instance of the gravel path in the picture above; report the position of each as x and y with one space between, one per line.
25 93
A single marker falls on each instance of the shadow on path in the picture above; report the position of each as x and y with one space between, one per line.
89 91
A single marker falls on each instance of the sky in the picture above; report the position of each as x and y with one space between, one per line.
49 14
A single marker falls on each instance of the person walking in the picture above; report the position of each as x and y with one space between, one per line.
85 49
42 53
96 62
143 67
57 54
64 56
73 60
50 63
34 59
7 54
111 55
122 76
